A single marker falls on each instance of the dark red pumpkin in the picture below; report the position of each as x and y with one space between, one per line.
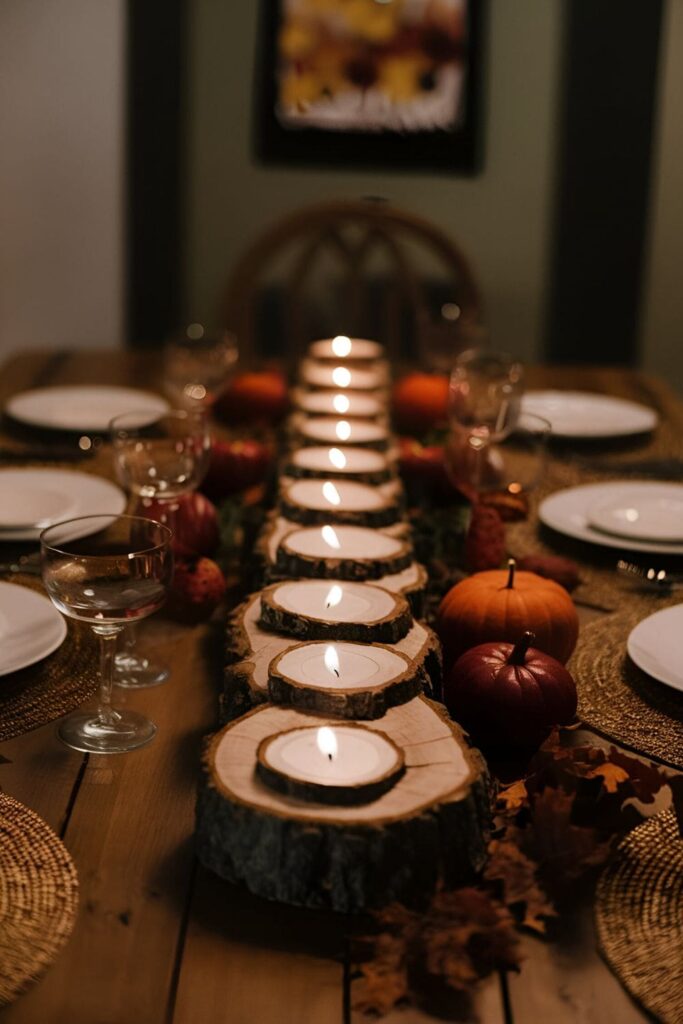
197 589
234 467
510 696
195 524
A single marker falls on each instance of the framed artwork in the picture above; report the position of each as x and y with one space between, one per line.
386 84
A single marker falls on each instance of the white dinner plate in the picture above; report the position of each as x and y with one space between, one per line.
30 627
71 494
586 414
644 511
567 511
88 408
655 646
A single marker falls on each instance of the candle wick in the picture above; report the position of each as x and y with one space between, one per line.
336 672
329 756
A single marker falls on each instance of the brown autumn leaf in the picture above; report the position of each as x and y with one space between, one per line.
612 775
562 850
516 874
511 798
645 777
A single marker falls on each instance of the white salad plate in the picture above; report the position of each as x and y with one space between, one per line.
52 495
643 511
89 408
30 627
654 645
569 512
586 414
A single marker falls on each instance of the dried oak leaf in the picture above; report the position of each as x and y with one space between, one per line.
383 981
611 774
562 850
511 798
646 778
515 874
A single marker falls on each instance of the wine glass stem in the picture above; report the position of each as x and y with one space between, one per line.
105 712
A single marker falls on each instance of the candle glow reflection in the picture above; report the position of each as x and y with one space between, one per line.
327 742
341 346
332 660
334 596
330 493
330 537
341 403
341 377
337 458
343 430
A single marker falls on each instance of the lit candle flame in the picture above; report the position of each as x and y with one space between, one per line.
334 596
332 660
337 458
327 741
330 493
330 537
341 377
341 403
343 430
341 346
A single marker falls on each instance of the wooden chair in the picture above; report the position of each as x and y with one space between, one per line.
362 268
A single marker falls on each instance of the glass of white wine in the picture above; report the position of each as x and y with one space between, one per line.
157 459
107 571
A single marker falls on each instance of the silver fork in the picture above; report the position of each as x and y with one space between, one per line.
651 578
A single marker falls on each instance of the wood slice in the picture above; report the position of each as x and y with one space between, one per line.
344 552
313 779
347 350
335 610
349 404
335 431
361 683
316 502
250 649
339 463
430 828
328 377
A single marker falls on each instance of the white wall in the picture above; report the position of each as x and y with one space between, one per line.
61 173
662 334
501 217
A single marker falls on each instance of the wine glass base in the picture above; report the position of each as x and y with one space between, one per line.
85 732
134 673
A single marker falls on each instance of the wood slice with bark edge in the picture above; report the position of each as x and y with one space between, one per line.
387 512
384 473
362 350
348 795
291 563
388 629
302 435
319 402
367 703
250 649
430 828
317 376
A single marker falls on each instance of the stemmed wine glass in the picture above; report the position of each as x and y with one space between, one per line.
198 364
485 397
107 570
157 459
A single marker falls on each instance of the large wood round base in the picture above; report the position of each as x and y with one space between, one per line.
339 463
432 826
368 679
316 502
335 610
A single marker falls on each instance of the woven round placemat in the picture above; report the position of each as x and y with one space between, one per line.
52 687
38 897
617 699
639 916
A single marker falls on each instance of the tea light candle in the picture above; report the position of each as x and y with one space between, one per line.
335 764
320 375
343 501
327 430
349 404
347 552
364 464
335 609
344 348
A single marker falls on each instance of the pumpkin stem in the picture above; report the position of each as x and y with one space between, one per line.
518 652
512 565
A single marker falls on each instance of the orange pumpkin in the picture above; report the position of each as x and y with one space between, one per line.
253 398
502 604
420 402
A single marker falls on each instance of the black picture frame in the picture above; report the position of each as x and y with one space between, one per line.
458 151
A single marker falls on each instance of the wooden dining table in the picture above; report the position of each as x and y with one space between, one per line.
159 939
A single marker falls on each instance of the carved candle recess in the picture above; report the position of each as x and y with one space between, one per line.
321 430
341 501
335 610
339 462
349 552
